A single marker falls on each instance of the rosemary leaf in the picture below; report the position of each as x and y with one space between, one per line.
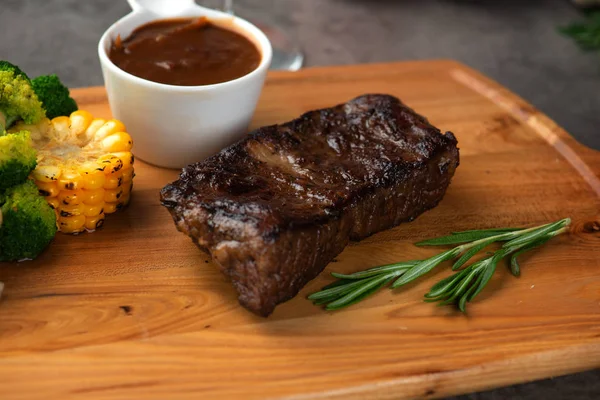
403 266
470 253
463 286
515 268
368 288
461 237
425 266
324 301
471 294
466 297
537 233
363 296
336 290
496 230
488 271
339 282
445 285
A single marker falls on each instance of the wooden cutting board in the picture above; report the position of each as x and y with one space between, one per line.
135 310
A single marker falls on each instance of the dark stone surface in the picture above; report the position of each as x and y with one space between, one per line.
513 41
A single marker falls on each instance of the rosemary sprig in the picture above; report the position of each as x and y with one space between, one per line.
460 288
463 286
350 289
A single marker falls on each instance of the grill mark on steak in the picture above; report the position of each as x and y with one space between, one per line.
275 208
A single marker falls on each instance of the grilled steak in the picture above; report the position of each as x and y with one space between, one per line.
275 208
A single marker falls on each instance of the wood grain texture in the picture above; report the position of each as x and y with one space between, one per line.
135 310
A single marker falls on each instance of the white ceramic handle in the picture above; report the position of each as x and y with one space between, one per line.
163 7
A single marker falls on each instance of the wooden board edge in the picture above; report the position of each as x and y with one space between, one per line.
483 377
577 154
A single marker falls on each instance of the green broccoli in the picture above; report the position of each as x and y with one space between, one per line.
55 96
27 223
17 98
17 159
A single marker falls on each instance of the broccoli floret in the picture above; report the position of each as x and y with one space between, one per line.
17 159
17 98
55 96
27 223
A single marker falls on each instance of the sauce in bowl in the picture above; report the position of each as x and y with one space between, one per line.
185 52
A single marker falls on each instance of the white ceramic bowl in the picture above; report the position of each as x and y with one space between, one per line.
173 126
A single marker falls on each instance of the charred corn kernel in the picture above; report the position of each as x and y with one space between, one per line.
120 141
111 163
48 189
91 210
95 222
53 201
70 197
113 181
47 173
90 167
113 195
72 224
92 175
70 210
84 167
126 157
110 208
122 203
93 197
127 174
69 180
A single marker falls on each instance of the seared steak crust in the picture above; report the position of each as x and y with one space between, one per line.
275 208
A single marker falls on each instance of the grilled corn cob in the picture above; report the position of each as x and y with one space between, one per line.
84 168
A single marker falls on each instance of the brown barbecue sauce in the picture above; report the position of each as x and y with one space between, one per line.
185 52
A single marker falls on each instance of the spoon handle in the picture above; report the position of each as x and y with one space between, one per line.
228 6
161 6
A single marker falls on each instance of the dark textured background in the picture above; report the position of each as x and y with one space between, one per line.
513 41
